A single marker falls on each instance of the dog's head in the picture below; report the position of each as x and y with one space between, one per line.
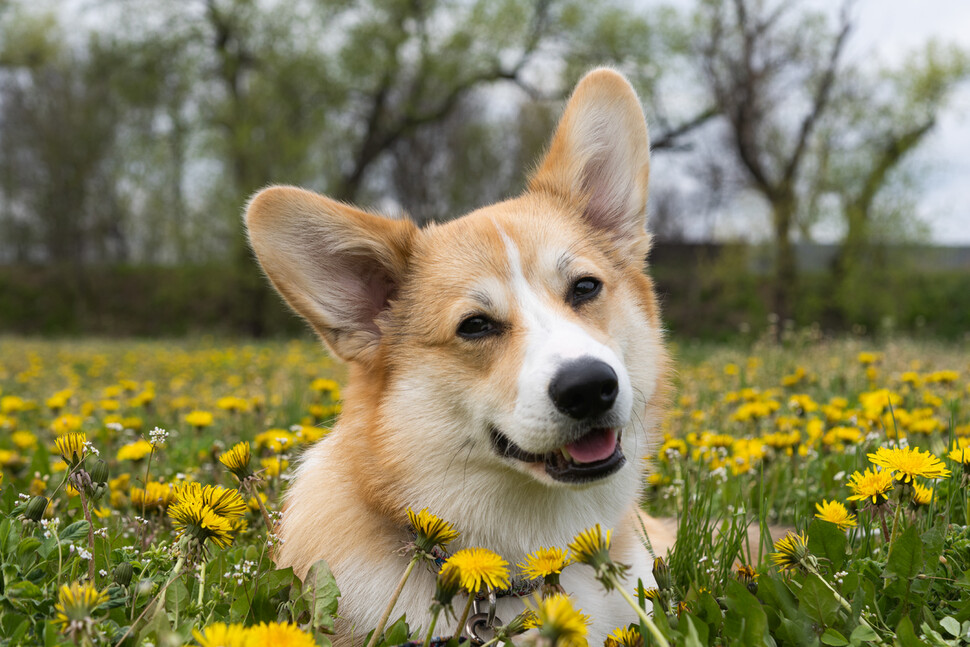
525 333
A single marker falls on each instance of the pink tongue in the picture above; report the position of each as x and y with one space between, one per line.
594 446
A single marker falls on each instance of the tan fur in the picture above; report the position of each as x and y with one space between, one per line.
387 297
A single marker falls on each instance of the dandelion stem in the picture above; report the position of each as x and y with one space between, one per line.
148 467
262 508
60 561
436 611
175 573
201 580
390 605
644 618
464 616
87 517
892 535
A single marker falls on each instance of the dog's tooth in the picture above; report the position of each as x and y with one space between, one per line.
565 454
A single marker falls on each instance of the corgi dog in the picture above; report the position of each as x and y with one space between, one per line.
507 370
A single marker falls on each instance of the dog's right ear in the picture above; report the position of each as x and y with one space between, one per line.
335 265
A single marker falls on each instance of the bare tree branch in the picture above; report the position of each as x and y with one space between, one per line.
822 94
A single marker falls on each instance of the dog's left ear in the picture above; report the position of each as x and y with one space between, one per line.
600 158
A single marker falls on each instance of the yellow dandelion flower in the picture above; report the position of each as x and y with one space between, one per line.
233 404
835 512
746 573
200 522
652 593
791 550
559 623
907 463
10 458
273 466
219 634
431 530
961 454
871 485
922 495
24 439
199 419
867 358
672 446
71 447
254 504
276 440
624 637
154 496
75 605
544 562
324 385
237 460
278 634
134 451
12 404
57 401
223 501
591 546
478 567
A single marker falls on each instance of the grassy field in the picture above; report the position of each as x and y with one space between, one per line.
858 448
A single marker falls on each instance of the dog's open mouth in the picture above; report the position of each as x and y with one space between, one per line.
593 456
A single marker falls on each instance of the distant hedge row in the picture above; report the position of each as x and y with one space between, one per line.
706 296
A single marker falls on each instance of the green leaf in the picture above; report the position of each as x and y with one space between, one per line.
818 601
708 611
24 591
696 635
74 532
951 625
320 589
826 540
906 555
933 548
745 622
905 635
397 633
863 634
27 545
833 637
177 597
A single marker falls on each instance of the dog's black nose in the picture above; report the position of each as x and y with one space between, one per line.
584 388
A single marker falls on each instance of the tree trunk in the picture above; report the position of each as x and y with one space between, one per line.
785 279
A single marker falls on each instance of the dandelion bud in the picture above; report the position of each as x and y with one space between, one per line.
99 472
122 573
430 530
749 577
447 585
661 573
36 508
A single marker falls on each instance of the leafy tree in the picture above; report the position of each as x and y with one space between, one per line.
877 122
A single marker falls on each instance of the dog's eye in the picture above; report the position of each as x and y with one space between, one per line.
477 326
584 289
